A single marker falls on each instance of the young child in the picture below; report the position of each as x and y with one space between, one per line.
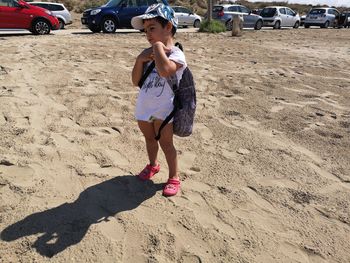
155 100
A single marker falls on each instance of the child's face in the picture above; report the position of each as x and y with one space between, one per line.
155 32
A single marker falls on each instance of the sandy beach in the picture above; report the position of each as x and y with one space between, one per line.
265 175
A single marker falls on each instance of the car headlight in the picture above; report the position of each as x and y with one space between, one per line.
95 12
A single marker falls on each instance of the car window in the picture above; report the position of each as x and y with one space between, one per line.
268 12
185 10
9 3
41 5
290 12
46 6
317 11
55 7
233 9
131 3
218 8
176 9
142 3
244 10
282 11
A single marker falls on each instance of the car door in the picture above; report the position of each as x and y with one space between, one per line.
12 15
180 16
232 10
129 9
4 9
291 17
283 16
331 16
248 20
336 17
188 18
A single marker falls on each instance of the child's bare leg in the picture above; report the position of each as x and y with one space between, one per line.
147 128
167 145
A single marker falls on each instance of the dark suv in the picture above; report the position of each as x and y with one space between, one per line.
115 14
344 19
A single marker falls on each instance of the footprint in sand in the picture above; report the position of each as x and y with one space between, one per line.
207 136
295 253
276 108
188 258
21 177
186 162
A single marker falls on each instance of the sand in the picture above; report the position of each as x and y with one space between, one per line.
265 175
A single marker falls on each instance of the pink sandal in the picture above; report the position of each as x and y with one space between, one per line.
148 172
172 187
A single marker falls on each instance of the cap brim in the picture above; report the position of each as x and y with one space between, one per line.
137 21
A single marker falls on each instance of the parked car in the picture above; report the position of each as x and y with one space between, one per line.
344 20
223 13
186 17
17 14
322 17
58 9
280 16
115 14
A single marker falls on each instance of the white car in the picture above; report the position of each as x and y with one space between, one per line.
186 17
58 10
322 17
280 16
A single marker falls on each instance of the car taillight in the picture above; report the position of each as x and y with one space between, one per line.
221 13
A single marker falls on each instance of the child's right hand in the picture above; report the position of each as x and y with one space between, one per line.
146 55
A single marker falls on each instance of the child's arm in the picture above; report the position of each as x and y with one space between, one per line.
137 71
165 66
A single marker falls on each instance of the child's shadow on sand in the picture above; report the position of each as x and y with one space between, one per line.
67 224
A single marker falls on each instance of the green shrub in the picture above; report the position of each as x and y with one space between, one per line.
212 27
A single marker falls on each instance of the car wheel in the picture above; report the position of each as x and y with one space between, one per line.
326 25
229 25
258 25
41 27
197 23
61 23
109 25
277 25
95 29
306 26
296 24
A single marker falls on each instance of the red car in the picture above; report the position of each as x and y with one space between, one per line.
17 14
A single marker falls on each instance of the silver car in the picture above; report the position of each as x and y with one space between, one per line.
322 17
280 16
223 13
58 10
186 17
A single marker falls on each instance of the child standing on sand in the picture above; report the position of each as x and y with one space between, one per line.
155 100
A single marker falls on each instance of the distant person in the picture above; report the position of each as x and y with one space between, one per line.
155 99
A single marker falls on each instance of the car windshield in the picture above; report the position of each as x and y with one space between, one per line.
317 11
268 12
112 3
